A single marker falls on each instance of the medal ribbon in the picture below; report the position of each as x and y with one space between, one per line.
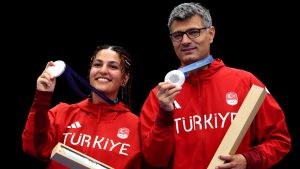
70 74
196 65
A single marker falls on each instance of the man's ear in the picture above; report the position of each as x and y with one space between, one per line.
211 32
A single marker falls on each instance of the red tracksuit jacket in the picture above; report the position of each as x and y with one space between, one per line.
208 102
110 134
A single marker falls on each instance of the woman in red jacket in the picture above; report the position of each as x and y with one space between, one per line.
105 131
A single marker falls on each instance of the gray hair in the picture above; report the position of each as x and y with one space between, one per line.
187 10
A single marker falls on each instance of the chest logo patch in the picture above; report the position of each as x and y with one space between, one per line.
123 133
231 98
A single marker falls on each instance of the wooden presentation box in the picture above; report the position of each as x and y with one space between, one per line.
74 159
240 124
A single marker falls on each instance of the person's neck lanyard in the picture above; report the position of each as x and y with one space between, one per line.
178 76
197 65
69 74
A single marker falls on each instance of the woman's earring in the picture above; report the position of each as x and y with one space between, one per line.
122 97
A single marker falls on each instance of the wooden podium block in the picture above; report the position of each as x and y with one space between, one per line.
74 159
239 125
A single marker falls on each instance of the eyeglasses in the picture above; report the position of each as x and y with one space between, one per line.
191 33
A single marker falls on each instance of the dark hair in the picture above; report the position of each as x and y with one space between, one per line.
124 92
187 10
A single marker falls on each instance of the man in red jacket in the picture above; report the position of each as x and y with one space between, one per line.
182 126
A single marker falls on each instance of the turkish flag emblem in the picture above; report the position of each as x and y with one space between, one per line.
231 98
123 133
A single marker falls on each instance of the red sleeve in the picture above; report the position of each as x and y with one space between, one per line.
254 159
35 133
157 132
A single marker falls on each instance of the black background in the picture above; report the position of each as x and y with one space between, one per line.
259 37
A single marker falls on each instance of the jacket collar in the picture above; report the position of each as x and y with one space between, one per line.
204 74
103 110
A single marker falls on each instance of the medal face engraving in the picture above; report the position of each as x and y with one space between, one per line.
58 68
175 76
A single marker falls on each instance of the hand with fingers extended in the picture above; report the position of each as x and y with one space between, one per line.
46 81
